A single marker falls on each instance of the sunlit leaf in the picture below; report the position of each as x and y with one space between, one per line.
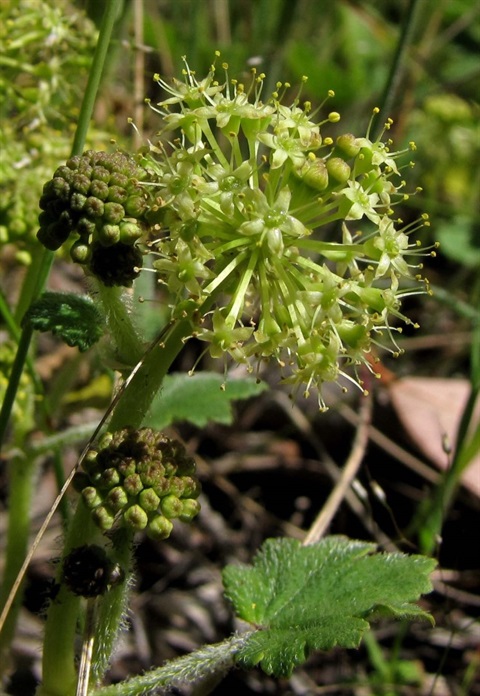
303 598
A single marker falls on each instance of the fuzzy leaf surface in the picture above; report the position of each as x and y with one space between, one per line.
199 399
303 598
73 318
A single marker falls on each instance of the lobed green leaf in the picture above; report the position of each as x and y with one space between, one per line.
200 398
303 598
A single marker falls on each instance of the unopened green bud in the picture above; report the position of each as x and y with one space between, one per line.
118 179
101 174
105 440
171 506
130 232
77 202
190 508
94 207
191 487
149 500
177 486
91 497
109 235
116 499
99 189
135 206
117 194
103 518
133 484
348 144
109 478
314 173
136 518
80 252
113 213
85 227
81 183
159 528
338 169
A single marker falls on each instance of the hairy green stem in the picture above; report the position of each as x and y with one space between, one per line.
128 348
204 664
20 484
59 673
62 618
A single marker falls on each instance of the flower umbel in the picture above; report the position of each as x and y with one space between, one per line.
140 479
289 236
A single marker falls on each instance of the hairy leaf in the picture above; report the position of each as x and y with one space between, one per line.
73 318
200 398
303 598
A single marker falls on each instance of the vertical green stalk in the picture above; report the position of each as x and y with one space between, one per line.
22 487
128 348
59 672
430 518
398 66
35 282
21 484
59 644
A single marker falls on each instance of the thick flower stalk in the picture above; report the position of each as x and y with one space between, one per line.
288 238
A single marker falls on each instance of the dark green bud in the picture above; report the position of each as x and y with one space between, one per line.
117 194
81 183
101 174
94 207
99 189
116 265
113 213
85 228
77 201
58 188
62 173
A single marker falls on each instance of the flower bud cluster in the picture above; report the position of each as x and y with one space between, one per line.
141 479
288 237
97 200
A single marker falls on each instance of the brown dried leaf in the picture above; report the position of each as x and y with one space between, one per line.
430 410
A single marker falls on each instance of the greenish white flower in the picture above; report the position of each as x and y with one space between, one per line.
278 242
